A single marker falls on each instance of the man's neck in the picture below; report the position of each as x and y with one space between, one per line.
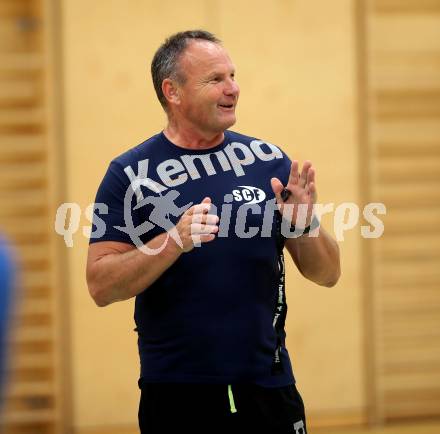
192 138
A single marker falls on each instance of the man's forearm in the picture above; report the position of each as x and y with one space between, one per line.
317 258
120 276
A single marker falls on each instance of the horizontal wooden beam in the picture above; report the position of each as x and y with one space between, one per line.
21 63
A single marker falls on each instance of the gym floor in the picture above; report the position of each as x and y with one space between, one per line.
429 427
432 427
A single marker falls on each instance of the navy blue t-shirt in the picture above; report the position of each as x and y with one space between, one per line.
217 314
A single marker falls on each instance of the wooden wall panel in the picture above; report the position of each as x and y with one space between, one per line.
403 90
26 179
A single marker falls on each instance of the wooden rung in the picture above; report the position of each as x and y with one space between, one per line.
25 225
9 8
22 175
397 79
409 191
411 353
405 33
398 272
11 146
395 237
418 253
407 134
32 334
407 276
397 146
428 393
28 62
28 254
428 407
21 117
422 218
34 307
410 300
410 195
28 388
433 287
399 169
406 381
410 307
409 367
18 91
397 325
395 232
35 276
422 327
31 361
28 417
35 283
23 169
416 70
406 6
26 199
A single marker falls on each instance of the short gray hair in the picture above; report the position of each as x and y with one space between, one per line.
165 61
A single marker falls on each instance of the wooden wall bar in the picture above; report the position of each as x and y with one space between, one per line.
26 197
403 98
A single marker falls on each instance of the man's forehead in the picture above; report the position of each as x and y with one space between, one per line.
204 53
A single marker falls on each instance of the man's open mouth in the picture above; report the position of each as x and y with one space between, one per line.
227 106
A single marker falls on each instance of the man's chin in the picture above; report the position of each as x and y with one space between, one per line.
228 123
222 124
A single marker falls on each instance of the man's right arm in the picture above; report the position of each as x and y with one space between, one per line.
117 271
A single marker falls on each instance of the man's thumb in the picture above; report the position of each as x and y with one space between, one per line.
277 186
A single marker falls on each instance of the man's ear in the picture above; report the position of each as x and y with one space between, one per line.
170 91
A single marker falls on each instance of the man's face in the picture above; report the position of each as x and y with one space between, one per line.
208 97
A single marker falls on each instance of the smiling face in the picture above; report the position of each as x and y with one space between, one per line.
208 95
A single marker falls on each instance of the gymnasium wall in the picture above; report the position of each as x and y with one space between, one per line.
351 85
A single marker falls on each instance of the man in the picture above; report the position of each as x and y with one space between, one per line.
203 205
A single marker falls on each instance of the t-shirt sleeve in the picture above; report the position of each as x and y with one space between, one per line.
113 196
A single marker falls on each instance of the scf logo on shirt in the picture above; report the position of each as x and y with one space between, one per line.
248 194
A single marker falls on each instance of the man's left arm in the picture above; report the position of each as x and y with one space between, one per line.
317 257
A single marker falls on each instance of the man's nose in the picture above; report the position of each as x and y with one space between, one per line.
232 88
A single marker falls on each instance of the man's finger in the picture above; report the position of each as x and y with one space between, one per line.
205 218
294 174
201 208
311 175
304 178
312 191
200 229
206 238
276 185
199 239
277 188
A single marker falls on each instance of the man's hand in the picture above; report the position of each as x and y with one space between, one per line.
197 226
301 190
